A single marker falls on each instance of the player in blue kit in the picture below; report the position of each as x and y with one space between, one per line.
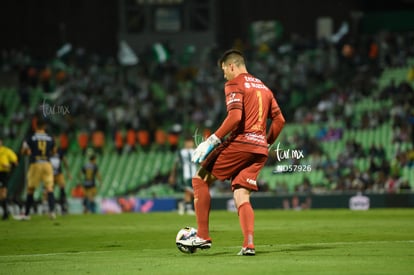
39 147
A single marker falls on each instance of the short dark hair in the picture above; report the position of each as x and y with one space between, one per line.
188 136
232 54
41 123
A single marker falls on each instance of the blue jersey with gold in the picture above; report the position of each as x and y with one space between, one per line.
89 171
41 146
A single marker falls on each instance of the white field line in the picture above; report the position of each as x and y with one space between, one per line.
57 254
277 245
338 243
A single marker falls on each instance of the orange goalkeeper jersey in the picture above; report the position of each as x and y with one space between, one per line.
257 103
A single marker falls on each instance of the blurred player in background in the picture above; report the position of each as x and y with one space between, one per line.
181 175
90 176
58 161
241 155
40 148
8 160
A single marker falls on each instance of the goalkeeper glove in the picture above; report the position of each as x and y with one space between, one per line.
204 148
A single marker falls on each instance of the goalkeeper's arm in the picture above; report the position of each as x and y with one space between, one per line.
229 124
276 127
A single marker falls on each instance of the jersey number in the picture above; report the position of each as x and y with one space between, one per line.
89 174
41 145
259 99
258 126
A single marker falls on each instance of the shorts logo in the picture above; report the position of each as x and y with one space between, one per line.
252 182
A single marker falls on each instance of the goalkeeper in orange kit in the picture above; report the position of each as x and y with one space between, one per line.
238 149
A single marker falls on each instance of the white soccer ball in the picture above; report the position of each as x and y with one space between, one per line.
184 234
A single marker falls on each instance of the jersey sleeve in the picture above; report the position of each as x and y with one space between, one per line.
277 124
12 156
230 123
234 104
234 96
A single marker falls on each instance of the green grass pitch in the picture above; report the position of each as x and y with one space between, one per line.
378 241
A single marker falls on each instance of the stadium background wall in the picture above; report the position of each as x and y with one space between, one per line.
43 26
323 201
264 202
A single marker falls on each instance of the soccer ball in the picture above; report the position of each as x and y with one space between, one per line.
184 234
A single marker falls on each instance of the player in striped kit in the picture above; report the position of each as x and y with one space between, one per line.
182 180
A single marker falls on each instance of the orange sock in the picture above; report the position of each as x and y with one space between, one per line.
202 207
246 218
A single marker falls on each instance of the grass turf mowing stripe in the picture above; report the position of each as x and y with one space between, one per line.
235 247
378 241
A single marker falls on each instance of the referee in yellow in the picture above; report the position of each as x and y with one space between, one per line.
8 160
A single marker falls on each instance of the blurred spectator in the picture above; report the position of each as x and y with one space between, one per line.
34 122
32 76
373 166
373 51
376 151
410 74
281 188
45 78
98 141
160 138
83 141
396 165
385 167
3 111
305 187
405 186
393 184
333 134
131 140
173 140
60 77
321 133
143 138
410 158
119 141
360 179
78 191
63 142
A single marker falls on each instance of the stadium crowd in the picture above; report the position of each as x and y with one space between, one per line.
152 102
